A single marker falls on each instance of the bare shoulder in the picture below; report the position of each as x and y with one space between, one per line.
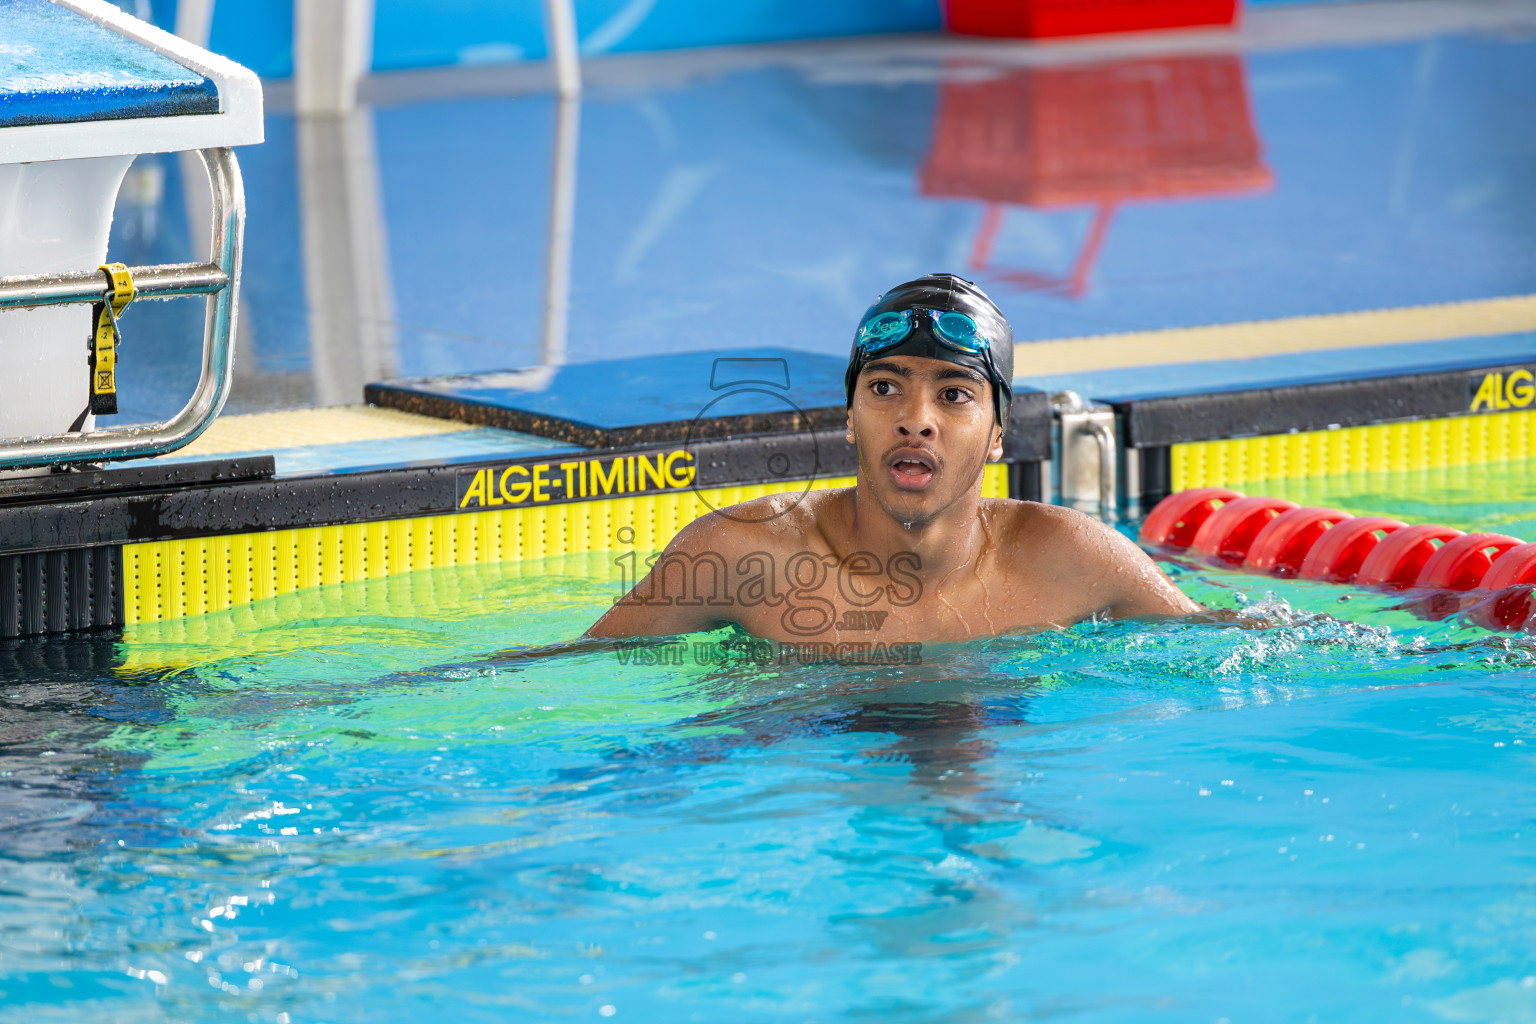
1105 566
1053 535
722 540
1064 529
769 523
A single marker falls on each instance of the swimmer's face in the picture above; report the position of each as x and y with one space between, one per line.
925 430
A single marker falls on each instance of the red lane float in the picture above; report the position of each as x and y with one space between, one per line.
1178 517
1337 555
1511 569
1462 563
1282 545
1510 579
1490 576
1396 562
1229 532
1458 566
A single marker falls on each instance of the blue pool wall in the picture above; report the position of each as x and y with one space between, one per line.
448 33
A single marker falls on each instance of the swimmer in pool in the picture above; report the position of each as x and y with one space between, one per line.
912 552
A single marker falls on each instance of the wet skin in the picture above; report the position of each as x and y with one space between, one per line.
913 539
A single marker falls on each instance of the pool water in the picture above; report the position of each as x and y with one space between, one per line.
335 807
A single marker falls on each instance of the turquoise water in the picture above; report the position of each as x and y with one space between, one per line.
334 808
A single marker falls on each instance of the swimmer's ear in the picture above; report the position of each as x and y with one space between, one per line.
995 454
850 424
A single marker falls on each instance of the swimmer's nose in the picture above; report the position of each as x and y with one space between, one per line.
916 421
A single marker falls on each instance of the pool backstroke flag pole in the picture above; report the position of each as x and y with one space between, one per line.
104 339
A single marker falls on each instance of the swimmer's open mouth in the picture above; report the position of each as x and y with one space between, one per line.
911 468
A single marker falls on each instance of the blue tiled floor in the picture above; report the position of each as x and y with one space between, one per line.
767 207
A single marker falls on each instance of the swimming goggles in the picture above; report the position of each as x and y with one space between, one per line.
955 330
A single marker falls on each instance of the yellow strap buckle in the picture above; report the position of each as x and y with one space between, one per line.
106 338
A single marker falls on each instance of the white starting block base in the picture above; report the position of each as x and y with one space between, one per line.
54 217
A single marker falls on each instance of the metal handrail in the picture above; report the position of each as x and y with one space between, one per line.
219 279
166 281
1106 442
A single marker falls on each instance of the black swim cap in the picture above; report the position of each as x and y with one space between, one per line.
945 293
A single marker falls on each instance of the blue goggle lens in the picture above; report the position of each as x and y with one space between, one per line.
885 330
960 331
956 330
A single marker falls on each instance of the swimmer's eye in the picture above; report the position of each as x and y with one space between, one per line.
883 387
959 396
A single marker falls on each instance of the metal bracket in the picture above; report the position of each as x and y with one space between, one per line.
219 279
1087 455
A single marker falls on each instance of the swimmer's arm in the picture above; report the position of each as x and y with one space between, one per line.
648 610
1156 596
635 616
1152 595
1122 581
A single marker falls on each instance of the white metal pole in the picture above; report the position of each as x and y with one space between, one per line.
194 21
560 16
332 51
560 28
562 220
349 293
